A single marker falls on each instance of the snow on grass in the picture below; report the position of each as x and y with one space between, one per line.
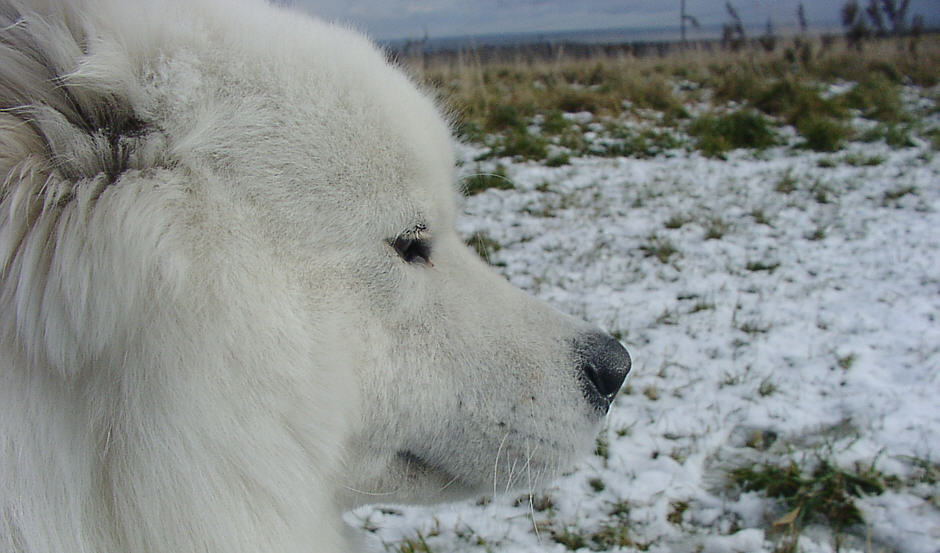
804 329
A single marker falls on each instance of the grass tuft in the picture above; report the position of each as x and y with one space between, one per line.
571 539
504 117
845 362
760 217
483 245
522 144
786 184
415 545
795 101
766 388
895 135
823 134
480 182
895 194
677 509
675 221
611 535
602 447
878 98
755 266
660 248
716 134
825 494
716 228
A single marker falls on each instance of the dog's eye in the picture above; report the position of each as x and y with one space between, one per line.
414 246
413 250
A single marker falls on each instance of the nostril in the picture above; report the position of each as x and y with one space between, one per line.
607 380
603 364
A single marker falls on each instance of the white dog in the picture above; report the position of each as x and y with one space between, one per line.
232 299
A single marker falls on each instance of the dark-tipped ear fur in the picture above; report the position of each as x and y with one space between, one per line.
84 132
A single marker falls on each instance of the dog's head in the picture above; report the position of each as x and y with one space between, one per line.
210 210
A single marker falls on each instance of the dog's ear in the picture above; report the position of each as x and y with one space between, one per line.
68 132
63 120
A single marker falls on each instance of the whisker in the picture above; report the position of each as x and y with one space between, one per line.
510 477
371 494
447 485
528 473
496 465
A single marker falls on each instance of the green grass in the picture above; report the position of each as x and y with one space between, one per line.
676 510
597 485
483 245
895 194
792 100
638 143
716 228
542 503
520 143
555 123
878 98
570 538
761 439
755 266
611 535
416 545
822 193
602 446
503 117
862 160
766 388
558 160
668 317
845 362
479 182
824 134
497 102
717 134
825 494
894 135
660 248
786 184
702 305
819 233
754 327
676 221
925 472
760 217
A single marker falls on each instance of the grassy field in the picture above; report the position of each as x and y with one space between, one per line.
760 229
704 100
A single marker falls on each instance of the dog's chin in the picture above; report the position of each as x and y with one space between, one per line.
425 481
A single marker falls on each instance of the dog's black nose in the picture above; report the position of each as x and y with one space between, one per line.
603 365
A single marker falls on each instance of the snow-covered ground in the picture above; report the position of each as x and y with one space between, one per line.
796 320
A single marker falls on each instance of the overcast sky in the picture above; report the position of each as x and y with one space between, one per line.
390 19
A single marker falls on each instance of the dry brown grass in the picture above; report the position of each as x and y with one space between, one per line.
494 96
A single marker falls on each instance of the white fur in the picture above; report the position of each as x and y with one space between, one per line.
206 341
